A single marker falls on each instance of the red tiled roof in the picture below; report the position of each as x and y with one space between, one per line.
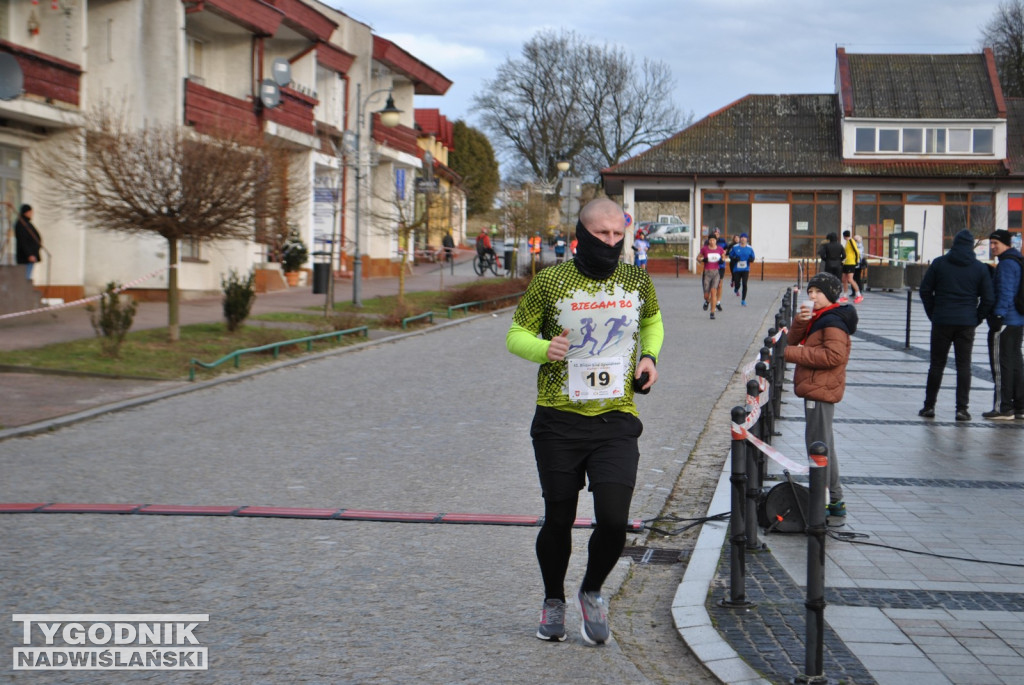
333 57
426 80
254 15
432 123
401 138
305 20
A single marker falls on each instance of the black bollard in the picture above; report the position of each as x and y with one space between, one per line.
814 668
737 559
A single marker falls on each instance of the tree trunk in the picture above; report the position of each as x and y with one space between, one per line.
173 332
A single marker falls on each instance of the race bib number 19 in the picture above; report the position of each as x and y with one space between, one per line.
596 378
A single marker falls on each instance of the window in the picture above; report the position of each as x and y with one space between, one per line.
888 140
959 140
1015 211
913 140
931 141
729 212
865 140
190 249
195 59
812 216
983 140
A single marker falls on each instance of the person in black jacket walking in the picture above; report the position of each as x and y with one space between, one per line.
957 294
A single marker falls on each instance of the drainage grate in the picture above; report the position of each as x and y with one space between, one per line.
654 555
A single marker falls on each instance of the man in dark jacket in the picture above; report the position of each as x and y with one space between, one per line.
832 254
1006 326
957 294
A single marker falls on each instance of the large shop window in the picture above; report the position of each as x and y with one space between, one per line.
812 215
729 211
879 215
1015 212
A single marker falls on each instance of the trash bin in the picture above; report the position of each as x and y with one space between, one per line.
321 272
509 256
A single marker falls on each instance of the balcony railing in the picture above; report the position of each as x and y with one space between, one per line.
46 76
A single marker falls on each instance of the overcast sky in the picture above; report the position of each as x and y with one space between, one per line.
718 50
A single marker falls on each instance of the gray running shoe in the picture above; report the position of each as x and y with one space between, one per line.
552 620
594 610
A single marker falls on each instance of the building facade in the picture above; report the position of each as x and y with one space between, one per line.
907 151
204 64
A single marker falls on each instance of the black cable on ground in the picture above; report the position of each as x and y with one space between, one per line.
693 522
856 539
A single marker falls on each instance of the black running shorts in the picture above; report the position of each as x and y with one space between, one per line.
569 446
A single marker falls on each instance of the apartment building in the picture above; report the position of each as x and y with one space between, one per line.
207 64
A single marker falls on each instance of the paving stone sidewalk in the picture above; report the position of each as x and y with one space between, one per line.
925 583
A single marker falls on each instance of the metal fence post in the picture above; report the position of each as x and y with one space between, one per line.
910 304
814 669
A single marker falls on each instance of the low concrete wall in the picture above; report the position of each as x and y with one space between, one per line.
16 292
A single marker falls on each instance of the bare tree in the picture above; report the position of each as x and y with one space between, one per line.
401 218
1004 33
165 180
567 98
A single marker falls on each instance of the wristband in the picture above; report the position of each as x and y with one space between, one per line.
651 357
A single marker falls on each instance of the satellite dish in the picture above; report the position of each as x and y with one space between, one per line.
12 79
282 71
270 94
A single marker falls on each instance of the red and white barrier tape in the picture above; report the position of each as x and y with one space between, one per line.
94 298
775 455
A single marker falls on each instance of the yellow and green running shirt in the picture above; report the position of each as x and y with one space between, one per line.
610 323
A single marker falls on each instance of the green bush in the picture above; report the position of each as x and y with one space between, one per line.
293 253
113 320
239 294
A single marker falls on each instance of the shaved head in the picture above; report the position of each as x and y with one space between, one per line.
602 208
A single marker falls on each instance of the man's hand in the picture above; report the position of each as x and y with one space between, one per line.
559 346
647 364
995 323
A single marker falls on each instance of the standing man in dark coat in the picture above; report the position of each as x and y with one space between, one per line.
832 254
957 294
1006 326
27 241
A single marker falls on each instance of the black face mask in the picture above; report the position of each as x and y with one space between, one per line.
594 258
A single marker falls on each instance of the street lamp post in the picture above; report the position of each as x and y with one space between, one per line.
389 117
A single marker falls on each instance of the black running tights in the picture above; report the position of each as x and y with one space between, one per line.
554 542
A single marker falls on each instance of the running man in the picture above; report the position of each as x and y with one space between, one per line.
586 426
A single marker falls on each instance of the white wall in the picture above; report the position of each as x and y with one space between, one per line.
769 228
926 221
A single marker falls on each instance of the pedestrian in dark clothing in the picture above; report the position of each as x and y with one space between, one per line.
28 242
832 254
449 246
1006 326
957 294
